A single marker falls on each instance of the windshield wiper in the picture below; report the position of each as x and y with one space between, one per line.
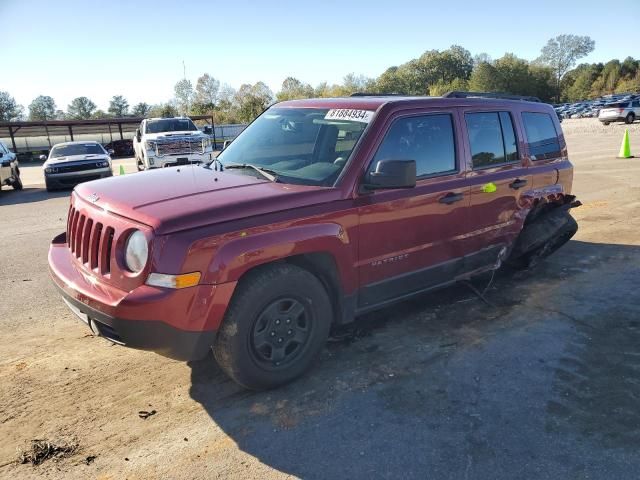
270 175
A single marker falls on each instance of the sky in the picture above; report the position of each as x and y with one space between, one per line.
69 48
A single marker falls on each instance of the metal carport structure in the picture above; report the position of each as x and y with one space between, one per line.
114 127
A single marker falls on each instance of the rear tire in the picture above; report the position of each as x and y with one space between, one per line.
275 326
605 123
139 164
629 118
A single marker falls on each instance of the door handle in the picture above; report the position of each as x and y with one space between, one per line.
451 197
516 184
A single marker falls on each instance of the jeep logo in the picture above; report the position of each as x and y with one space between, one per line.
93 198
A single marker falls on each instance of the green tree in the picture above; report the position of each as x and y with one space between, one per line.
80 108
561 54
484 78
440 88
251 100
581 80
629 84
513 75
206 94
118 106
164 110
42 108
100 114
9 109
292 88
184 96
141 109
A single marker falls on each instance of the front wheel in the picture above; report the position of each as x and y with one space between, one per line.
275 326
139 164
17 182
629 118
605 123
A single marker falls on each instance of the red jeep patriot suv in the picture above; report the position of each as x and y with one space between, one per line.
319 211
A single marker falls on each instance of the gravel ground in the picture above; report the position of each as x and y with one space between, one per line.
543 384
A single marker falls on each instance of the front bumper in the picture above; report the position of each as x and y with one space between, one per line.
70 179
179 159
179 324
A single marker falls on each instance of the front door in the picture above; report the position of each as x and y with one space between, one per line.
412 239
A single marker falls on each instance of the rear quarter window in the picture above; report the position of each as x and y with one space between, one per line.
542 136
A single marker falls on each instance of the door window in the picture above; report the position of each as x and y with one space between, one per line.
541 135
492 139
427 139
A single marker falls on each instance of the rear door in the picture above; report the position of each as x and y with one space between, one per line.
498 176
636 108
412 239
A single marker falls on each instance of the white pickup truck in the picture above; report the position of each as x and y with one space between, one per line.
167 142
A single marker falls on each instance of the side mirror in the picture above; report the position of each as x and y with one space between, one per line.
226 144
392 174
42 157
111 151
1 154
138 135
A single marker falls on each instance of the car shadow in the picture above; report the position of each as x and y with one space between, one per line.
29 195
447 384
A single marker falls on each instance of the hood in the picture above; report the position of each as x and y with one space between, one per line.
77 158
174 199
168 135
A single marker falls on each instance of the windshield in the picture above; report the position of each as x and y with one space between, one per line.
307 146
170 125
77 149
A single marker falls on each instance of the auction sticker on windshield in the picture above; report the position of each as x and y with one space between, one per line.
349 114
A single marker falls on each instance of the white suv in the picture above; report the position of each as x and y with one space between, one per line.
167 142
626 111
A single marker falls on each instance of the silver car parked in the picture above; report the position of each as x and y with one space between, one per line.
71 163
626 111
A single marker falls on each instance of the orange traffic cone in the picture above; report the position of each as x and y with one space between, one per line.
625 148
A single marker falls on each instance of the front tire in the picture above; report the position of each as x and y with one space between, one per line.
629 118
275 326
605 123
17 182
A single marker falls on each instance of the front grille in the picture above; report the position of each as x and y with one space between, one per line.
80 167
76 180
182 146
90 241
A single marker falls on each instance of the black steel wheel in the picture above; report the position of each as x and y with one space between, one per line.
274 327
281 332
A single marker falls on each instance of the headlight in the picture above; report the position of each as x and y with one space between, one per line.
136 252
150 144
50 170
102 164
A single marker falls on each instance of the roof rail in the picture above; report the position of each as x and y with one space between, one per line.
506 96
373 94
